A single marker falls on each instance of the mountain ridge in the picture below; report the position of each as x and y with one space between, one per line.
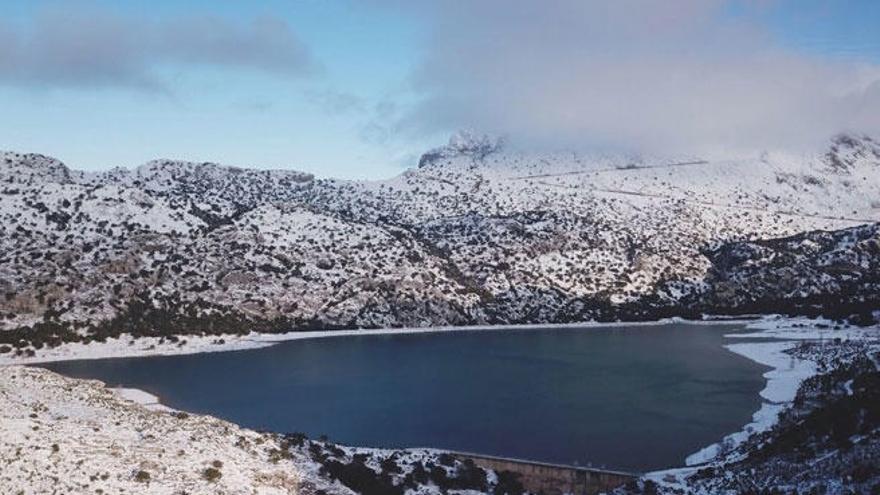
475 235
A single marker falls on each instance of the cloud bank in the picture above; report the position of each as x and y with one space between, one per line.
644 74
73 48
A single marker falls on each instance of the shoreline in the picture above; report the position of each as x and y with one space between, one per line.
779 333
126 346
783 381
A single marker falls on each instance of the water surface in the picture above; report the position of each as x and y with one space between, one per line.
634 398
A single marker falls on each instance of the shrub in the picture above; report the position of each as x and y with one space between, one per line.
361 478
389 465
142 476
211 474
508 484
418 476
295 438
471 477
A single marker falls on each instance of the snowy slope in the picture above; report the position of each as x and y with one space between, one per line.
475 234
64 435
75 436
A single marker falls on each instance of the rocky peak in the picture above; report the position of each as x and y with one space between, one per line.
847 150
209 182
463 143
32 169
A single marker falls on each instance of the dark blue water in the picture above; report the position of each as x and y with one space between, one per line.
634 398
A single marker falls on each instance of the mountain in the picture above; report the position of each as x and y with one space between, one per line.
476 234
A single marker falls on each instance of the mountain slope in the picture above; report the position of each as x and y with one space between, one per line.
475 234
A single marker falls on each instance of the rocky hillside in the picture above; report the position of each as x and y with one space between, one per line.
827 441
475 234
834 274
73 436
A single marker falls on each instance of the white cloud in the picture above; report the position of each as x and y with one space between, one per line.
86 48
646 74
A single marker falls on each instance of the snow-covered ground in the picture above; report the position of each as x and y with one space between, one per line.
65 435
787 373
61 435
780 336
477 234
783 382
141 397
176 257
111 437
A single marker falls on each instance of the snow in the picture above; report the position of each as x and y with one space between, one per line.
848 386
141 397
278 245
787 373
783 381
826 471
794 328
61 435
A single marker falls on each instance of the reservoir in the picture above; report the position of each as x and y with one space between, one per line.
632 398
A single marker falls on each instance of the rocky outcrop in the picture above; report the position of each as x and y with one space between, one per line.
463 143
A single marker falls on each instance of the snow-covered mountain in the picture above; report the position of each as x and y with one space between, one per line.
475 234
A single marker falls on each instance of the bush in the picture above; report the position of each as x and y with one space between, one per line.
418 476
211 474
295 438
389 465
360 478
471 477
508 484
142 477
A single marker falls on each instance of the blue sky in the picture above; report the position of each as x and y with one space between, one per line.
360 88
840 28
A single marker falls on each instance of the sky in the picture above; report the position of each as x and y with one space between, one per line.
359 89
